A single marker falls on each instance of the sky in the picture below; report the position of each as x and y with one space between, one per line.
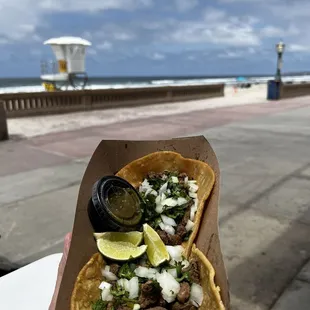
158 37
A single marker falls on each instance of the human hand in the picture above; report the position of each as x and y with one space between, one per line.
61 268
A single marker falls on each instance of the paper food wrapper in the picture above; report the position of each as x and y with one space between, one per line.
108 159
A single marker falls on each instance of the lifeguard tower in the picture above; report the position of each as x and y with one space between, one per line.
69 67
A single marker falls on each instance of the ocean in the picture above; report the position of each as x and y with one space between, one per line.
16 85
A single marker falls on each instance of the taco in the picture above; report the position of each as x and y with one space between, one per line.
174 190
178 285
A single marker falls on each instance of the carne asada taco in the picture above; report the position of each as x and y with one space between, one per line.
174 190
179 284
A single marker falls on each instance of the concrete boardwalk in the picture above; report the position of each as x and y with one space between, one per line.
263 151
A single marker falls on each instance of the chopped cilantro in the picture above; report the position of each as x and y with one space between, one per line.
127 271
176 190
156 183
99 305
121 297
119 291
182 275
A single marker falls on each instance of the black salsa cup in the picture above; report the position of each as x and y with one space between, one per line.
100 210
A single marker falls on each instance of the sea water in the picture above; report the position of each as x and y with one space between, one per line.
19 85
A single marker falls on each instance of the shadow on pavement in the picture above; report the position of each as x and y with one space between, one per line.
262 278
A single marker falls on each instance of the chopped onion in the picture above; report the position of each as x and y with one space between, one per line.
185 263
164 177
104 285
192 213
173 272
186 180
181 201
163 197
136 307
193 195
163 188
124 283
144 272
175 179
170 287
196 294
192 182
153 192
189 226
148 191
161 225
158 199
133 287
168 220
106 295
175 252
109 275
107 268
196 203
168 191
145 186
193 188
169 229
159 208
195 303
170 202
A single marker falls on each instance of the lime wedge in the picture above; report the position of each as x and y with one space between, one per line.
120 251
133 237
156 249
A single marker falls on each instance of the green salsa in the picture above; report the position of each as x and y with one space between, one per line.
124 205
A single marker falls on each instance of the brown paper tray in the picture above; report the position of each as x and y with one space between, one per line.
108 158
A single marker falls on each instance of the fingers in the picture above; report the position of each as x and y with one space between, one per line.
61 269
67 243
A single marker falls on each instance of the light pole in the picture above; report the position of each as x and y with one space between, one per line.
280 49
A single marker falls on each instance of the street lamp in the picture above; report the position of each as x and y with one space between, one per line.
280 49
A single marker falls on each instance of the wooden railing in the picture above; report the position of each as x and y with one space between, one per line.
294 90
42 103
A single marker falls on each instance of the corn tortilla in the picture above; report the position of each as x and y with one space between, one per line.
86 289
158 162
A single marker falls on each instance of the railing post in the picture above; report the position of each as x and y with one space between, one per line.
4 134
86 102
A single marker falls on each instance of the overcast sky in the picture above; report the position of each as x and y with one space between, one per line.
158 37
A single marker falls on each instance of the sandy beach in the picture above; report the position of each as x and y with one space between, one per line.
35 126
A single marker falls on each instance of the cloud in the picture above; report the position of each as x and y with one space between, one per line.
237 53
20 18
93 5
106 45
158 56
290 10
17 19
91 51
273 31
216 27
185 5
298 48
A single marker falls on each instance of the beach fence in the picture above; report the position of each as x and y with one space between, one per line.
44 103
294 90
